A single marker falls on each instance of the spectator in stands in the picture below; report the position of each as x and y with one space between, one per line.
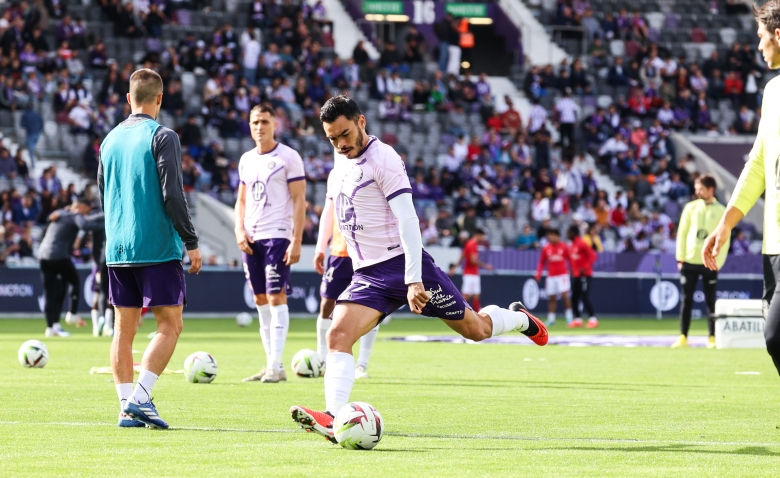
8 167
739 245
81 117
527 239
414 46
32 123
617 74
49 181
732 88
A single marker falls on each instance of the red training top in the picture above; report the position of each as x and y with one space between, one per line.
469 250
556 256
582 258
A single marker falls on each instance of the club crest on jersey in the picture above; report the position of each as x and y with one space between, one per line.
701 234
357 174
271 165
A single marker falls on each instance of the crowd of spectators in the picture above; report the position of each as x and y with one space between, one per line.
515 161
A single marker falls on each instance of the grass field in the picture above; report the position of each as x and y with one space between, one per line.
450 409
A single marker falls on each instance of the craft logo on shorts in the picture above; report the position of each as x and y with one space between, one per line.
258 191
530 294
702 234
16 290
357 174
664 296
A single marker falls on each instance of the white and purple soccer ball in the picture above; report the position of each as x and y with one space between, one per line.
358 426
200 367
33 354
308 363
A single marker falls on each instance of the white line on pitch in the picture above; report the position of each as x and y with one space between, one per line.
423 435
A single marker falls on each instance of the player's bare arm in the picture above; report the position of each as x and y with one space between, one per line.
298 196
242 238
323 236
719 237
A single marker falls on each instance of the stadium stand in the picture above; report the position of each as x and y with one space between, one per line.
472 159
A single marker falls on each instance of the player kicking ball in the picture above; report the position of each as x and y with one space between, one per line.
269 217
373 206
555 255
335 280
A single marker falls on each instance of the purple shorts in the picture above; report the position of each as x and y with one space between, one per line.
337 277
147 286
265 269
382 287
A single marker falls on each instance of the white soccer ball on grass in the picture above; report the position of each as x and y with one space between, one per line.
308 363
244 319
33 354
200 367
358 426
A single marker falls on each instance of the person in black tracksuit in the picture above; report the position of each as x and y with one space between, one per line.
57 269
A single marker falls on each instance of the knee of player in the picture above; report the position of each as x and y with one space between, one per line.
276 299
261 299
772 342
337 340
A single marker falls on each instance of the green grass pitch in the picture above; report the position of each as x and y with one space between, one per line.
450 409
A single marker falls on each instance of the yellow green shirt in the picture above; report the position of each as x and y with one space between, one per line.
761 170
697 221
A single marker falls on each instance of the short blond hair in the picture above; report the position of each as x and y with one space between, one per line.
145 85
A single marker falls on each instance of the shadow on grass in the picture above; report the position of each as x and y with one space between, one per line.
537 384
749 451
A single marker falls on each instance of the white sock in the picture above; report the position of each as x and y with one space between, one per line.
264 315
123 391
323 324
366 345
280 324
569 316
143 389
109 318
339 378
95 321
56 326
550 316
505 320
593 318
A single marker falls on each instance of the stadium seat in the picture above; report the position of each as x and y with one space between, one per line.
655 19
617 48
728 35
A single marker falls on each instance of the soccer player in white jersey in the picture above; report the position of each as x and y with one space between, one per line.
372 201
336 277
269 214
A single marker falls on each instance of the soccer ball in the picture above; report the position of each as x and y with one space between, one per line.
308 364
358 426
244 319
33 354
200 367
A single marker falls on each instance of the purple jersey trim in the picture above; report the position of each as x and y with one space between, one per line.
269 151
362 151
242 182
399 192
292 180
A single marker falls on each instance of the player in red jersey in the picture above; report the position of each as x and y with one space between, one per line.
472 287
582 259
555 255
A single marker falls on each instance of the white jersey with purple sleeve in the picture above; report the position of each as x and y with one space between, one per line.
360 189
269 208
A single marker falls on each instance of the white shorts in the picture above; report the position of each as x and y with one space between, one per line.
557 285
471 285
